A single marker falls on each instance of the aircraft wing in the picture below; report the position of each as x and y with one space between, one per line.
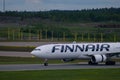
117 54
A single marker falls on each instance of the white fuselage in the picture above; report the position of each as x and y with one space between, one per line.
75 51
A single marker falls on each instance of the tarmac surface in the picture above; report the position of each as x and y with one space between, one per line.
15 54
83 65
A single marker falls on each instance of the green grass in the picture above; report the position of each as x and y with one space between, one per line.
22 60
30 60
19 60
79 74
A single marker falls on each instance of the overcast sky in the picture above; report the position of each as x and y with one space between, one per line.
36 5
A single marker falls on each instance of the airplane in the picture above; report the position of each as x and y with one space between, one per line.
94 52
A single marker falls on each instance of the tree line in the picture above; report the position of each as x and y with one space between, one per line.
85 15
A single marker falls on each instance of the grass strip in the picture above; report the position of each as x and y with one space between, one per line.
79 74
30 60
17 48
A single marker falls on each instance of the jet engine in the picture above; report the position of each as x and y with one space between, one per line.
67 60
98 58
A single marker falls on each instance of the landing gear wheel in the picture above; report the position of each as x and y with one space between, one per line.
110 63
92 63
45 63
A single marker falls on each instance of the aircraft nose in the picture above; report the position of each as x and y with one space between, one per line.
36 52
33 53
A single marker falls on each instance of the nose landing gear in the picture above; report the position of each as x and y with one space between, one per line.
46 62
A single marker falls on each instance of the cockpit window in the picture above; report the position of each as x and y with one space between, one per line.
37 49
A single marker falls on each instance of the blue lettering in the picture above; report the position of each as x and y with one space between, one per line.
81 48
62 48
90 46
68 48
56 47
105 47
97 47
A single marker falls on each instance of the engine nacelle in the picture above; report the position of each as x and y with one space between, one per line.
98 58
67 60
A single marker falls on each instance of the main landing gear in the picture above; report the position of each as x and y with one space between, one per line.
110 63
92 63
46 62
107 63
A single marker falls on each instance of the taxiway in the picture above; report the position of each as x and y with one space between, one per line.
83 65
